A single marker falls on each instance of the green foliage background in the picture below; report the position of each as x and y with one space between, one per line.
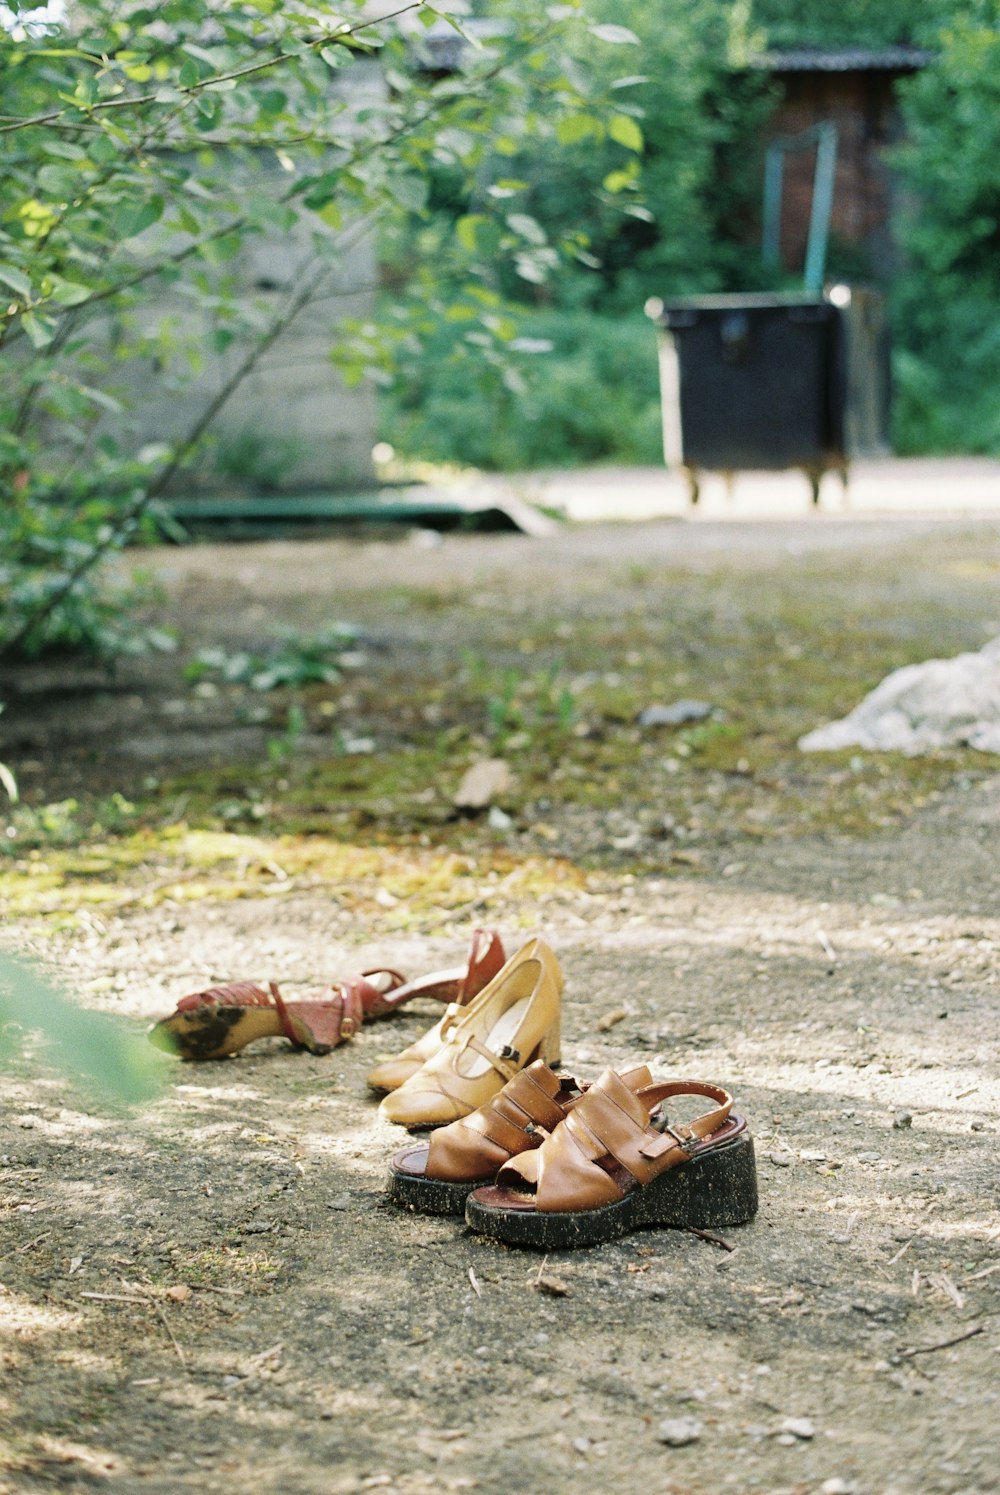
145 148
690 226
581 158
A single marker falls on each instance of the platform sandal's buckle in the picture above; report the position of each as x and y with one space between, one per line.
659 1123
508 1053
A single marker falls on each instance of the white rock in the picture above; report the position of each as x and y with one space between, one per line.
799 1427
675 714
484 782
940 703
678 1431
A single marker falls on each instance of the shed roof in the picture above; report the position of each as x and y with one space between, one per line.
897 59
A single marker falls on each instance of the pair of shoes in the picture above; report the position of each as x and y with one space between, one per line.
577 1165
218 1022
475 1050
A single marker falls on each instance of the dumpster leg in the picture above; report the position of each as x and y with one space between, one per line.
814 474
694 487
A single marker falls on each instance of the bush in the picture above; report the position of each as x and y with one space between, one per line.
947 324
593 398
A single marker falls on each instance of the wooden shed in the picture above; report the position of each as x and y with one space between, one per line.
853 88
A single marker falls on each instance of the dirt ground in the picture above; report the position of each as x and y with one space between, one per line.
210 1293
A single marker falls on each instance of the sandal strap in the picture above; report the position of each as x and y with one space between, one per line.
685 1135
486 958
355 1002
376 1000
609 1144
283 1018
526 1107
516 1119
504 1061
238 994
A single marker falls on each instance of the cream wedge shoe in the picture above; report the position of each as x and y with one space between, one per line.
513 1021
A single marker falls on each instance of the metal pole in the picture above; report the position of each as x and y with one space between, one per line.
774 165
822 206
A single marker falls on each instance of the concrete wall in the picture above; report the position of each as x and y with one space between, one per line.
292 425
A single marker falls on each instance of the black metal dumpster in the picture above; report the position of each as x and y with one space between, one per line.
751 382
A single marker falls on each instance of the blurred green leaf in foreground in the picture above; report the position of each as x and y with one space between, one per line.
88 1047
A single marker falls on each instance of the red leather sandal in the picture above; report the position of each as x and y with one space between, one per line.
615 1165
218 1022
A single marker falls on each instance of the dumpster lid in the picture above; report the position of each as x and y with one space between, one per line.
656 307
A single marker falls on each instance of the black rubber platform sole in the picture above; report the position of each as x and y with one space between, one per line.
715 1189
430 1196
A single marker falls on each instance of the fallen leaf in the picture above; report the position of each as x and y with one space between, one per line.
944 1284
611 1018
554 1286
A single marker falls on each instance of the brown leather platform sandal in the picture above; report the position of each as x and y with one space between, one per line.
615 1165
436 1177
218 1022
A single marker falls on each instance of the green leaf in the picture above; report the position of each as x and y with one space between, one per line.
103 151
618 181
58 181
331 216
272 101
572 128
69 292
627 133
409 191
65 150
41 330
16 280
618 36
320 190
467 229
131 221
202 55
95 1048
527 227
449 20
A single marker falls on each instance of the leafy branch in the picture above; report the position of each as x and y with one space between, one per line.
342 36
